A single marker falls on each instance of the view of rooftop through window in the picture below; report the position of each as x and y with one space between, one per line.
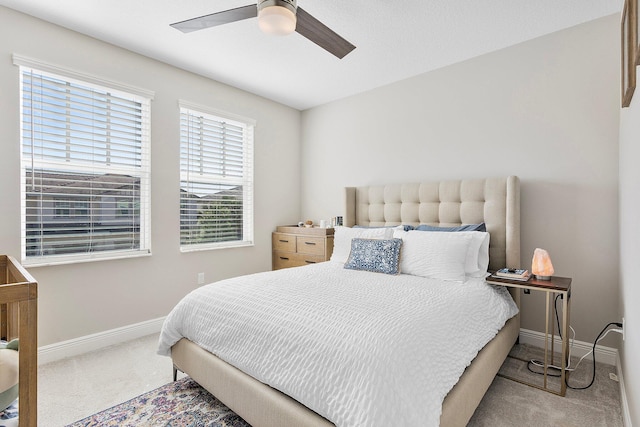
85 168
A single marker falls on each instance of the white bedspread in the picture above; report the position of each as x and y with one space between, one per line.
359 348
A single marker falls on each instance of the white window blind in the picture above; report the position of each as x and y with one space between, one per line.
216 181
85 170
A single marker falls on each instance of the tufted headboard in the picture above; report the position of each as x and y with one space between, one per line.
494 201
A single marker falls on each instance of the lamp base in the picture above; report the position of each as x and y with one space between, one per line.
538 277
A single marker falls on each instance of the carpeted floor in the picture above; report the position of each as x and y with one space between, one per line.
509 403
185 403
90 383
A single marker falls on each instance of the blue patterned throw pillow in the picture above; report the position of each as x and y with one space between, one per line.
376 255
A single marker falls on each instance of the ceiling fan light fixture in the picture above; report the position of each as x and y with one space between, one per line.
277 16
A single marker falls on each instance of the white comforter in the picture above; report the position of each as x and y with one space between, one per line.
359 348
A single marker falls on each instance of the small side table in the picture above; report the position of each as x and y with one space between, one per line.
557 285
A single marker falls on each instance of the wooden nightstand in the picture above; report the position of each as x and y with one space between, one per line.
294 246
557 285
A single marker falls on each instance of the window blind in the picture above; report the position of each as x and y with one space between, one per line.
216 181
85 170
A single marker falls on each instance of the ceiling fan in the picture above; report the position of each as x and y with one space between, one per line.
275 17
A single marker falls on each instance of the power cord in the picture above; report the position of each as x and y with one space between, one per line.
593 350
605 331
540 364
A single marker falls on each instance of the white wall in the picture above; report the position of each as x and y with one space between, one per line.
546 110
630 250
81 299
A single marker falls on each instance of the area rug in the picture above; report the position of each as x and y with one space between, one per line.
9 417
181 403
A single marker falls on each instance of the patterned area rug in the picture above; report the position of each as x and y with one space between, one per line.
178 404
9 417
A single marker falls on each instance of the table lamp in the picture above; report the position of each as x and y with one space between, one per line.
541 265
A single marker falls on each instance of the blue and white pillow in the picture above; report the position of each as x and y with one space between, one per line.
343 235
375 255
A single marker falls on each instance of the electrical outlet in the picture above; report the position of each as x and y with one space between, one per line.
200 278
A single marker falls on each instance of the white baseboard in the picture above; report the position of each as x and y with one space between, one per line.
626 414
607 355
87 343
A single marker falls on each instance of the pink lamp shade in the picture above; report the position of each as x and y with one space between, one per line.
541 264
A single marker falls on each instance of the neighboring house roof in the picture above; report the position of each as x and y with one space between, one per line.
82 184
235 192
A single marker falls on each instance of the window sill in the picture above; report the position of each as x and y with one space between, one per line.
62 260
215 246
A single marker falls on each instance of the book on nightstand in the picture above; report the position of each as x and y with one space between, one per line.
512 274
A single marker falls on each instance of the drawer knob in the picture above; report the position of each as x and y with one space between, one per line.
284 258
309 243
284 241
309 262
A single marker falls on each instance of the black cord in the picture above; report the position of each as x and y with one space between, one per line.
538 362
593 353
555 306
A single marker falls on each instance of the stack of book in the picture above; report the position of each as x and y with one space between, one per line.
512 274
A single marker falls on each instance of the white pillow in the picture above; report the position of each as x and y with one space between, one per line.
435 254
342 237
483 255
399 233
477 259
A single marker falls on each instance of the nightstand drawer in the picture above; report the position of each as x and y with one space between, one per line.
292 259
283 242
293 246
310 245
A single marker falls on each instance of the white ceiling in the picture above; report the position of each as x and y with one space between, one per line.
394 40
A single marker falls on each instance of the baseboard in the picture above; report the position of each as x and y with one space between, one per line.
607 355
52 352
626 414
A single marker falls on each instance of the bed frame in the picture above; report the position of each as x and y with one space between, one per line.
494 201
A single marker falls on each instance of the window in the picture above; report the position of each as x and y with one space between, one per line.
65 208
85 165
216 180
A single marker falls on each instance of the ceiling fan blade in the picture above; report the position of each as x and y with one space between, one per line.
320 34
219 18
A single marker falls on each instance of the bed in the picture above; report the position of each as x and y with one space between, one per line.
492 201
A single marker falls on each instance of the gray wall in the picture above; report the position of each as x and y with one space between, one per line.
81 299
546 110
630 250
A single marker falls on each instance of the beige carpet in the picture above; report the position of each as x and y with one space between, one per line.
508 403
74 388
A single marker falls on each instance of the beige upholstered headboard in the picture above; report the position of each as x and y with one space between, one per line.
494 201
